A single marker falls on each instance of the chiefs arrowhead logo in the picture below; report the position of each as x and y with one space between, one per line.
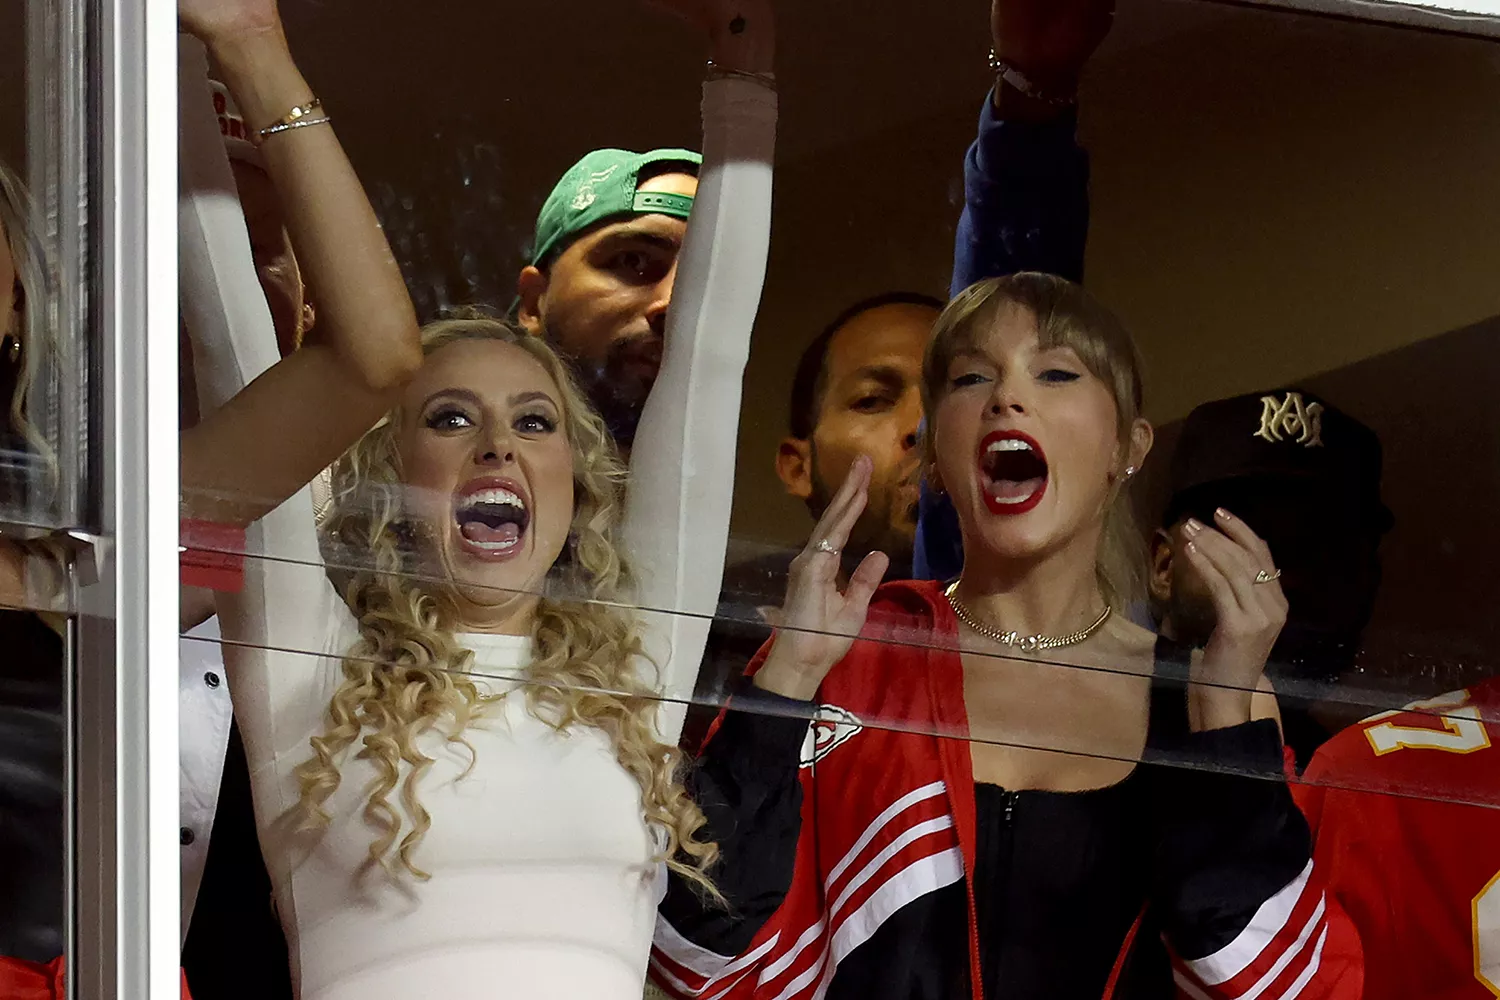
830 728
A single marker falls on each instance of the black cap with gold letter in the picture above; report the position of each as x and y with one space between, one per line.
1284 437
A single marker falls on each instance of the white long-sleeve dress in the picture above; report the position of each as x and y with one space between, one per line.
543 880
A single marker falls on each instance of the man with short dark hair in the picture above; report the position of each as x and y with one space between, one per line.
858 391
1306 477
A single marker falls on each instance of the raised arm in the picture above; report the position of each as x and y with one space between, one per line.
682 465
265 442
1026 197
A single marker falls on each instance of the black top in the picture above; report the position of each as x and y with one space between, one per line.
235 948
32 740
1044 861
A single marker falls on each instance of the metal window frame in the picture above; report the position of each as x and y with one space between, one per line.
124 939
1447 16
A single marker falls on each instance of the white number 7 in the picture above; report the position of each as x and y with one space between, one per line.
1462 732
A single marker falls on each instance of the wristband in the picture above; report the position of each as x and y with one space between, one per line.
717 72
1023 84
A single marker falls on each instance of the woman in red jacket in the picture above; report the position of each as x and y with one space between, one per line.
981 807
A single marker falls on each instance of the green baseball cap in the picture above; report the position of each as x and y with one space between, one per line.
602 186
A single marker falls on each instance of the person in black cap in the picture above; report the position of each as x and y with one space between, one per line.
1306 477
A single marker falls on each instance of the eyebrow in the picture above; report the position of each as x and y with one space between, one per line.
471 397
532 396
886 375
453 393
632 232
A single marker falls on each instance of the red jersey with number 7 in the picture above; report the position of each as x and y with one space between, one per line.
1405 814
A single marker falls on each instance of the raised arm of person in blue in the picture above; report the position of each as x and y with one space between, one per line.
1026 202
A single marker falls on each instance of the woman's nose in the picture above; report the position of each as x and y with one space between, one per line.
1007 397
499 451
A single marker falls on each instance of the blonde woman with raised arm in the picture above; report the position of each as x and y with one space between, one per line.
464 775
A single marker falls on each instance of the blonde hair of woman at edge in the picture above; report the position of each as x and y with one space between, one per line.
407 675
1065 317
32 336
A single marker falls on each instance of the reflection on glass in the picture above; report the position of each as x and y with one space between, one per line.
1046 765
32 700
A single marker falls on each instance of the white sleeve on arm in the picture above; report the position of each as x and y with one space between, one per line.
682 465
222 303
287 614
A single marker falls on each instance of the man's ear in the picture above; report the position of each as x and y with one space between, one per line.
1161 565
794 466
531 287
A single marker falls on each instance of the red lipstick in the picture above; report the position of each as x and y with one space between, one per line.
1012 472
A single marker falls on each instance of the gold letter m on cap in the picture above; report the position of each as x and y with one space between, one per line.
1292 419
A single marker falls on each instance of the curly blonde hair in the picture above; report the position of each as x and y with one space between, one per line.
34 338
44 558
408 675
1066 316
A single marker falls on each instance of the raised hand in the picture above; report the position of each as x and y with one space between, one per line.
1050 40
741 34
818 623
214 21
1249 609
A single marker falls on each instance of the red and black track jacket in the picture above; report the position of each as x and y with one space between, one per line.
850 854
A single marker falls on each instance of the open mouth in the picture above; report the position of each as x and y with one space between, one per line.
492 517
1012 472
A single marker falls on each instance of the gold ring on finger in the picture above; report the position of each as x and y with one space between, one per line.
1265 576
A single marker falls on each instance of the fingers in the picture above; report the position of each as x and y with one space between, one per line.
819 561
848 503
1219 587
1241 533
1226 560
1257 558
862 584
1230 570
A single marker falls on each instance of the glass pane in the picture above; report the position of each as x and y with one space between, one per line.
43 392
1285 269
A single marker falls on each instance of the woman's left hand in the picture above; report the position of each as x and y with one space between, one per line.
1249 611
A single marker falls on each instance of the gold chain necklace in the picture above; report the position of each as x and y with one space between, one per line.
1028 643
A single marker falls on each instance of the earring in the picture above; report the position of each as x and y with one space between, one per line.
10 345
1129 471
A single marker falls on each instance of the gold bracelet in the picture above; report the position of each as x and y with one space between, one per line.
295 118
288 126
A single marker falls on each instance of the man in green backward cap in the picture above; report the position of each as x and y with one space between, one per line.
603 263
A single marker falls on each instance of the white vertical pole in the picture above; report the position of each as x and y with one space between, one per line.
128 942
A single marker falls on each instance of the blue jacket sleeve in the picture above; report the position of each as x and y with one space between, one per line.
1026 208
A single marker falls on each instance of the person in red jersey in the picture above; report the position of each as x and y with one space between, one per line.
1405 812
985 806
